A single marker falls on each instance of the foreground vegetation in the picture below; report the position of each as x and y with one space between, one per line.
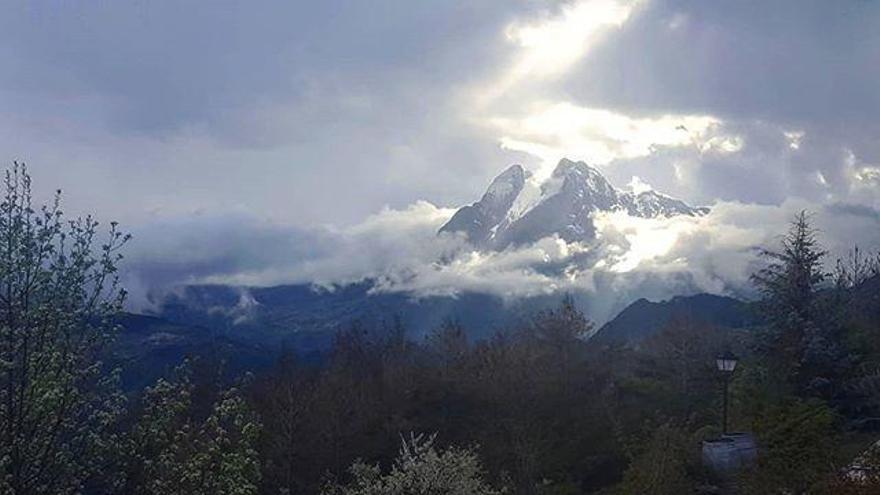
536 409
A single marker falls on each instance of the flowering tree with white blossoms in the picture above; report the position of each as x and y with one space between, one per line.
58 301
420 468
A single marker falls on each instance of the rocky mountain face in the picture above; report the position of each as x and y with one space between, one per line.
517 210
481 219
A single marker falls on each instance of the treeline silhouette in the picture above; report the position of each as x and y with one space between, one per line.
538 408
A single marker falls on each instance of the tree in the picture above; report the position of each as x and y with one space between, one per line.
563 325
284 400
799 448
855 269
861 476
59 296
675 374
419 469
664 467
448 343
792 275
558 337
800 337
534 387
177 452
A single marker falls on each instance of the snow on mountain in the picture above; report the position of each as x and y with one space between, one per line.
518 210
479 220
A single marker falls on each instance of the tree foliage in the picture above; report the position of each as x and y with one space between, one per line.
798 448
802 340
58 298
177 452
420 468
793 273
664 466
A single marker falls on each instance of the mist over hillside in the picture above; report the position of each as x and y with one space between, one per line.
575 233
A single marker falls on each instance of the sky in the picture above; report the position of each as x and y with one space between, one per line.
274 141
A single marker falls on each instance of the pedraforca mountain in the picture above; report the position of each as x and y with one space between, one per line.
481 219
518 210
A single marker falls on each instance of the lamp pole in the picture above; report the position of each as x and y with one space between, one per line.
726 363
724 415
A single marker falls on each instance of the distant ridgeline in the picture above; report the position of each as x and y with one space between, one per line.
247 327
643 318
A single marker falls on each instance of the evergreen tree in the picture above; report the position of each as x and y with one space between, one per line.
801 337
793 273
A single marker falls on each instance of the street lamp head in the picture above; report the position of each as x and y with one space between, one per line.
726 362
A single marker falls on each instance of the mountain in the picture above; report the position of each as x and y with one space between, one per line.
247 327
148 347
644 318
517 209
307 317
250 324
479 219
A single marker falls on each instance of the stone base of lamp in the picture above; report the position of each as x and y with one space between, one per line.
729 453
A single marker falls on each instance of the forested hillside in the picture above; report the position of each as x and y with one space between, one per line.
533 408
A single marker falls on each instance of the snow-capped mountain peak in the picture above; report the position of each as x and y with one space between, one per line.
479 220
506 185
517 209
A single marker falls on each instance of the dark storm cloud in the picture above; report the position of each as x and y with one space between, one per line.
795 62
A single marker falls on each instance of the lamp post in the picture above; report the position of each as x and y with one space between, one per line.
726 363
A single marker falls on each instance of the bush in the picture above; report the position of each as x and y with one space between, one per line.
419 469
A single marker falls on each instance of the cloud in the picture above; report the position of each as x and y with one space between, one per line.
242 249
254 144
740 102
744 60
401 252
550 45
279 107
551 130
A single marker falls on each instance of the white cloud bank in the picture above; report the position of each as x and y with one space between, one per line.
401 251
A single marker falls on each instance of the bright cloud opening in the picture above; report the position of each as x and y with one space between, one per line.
551 46
599 136
645 239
